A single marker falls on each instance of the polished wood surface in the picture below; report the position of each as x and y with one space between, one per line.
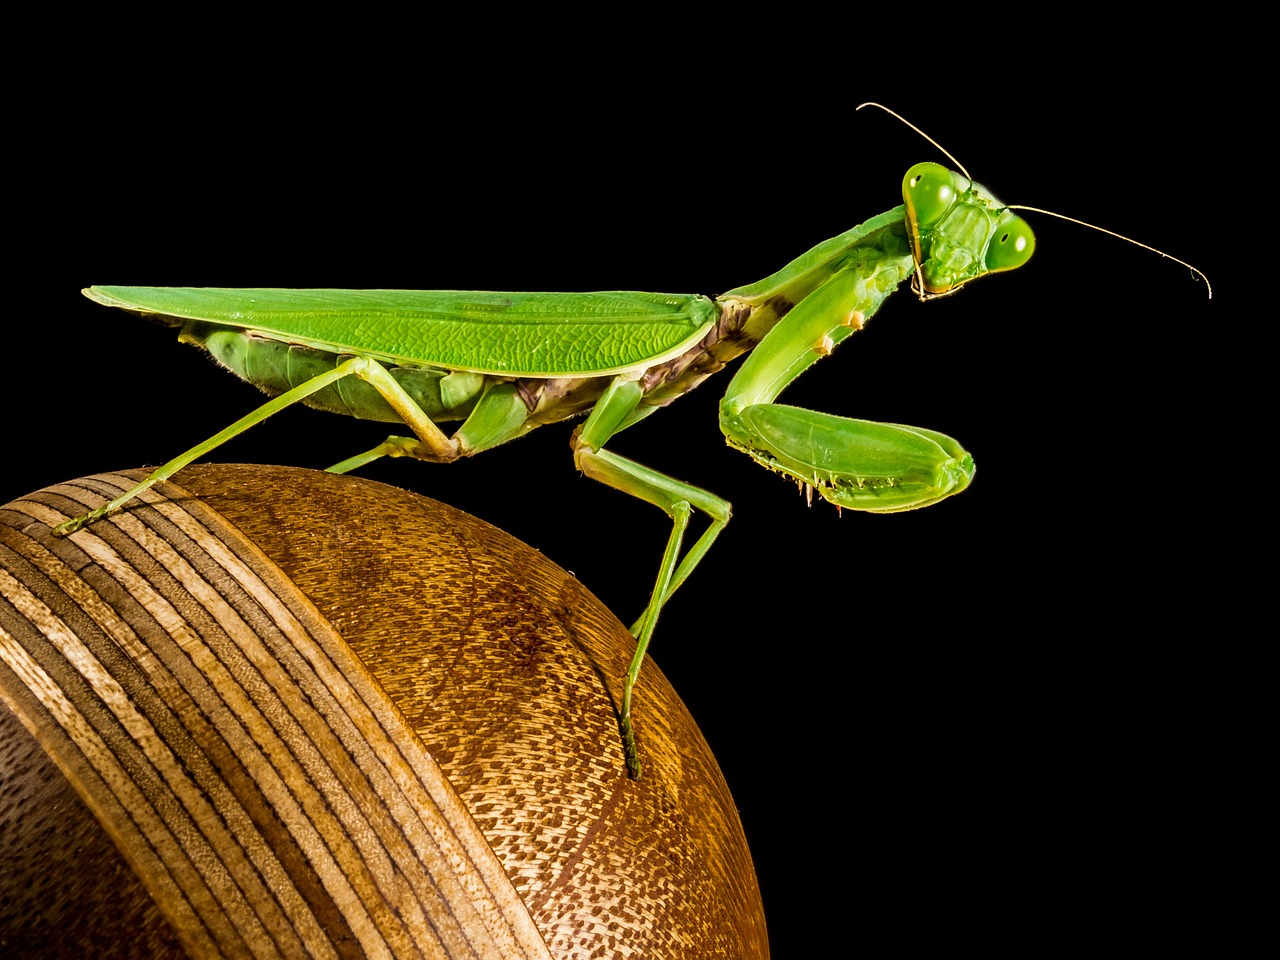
316 712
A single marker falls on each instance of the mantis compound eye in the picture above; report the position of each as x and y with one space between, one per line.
929 190
1011 245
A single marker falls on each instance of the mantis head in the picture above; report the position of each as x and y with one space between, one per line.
958 230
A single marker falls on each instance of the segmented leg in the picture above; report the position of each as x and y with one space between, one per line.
675 498
499 416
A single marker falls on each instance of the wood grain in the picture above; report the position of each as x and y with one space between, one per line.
316 715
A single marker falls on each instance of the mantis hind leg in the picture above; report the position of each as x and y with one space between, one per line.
674 497
499 416
432 443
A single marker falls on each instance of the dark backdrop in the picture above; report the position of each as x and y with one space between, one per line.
987 722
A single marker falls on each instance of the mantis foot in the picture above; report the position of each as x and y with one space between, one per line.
629 748
68 527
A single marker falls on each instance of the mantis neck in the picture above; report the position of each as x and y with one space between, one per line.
875 257
835 288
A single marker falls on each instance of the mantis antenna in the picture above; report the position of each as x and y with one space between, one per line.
1121 236
1047 213
903 120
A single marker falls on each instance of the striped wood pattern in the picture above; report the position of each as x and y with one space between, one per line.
265 774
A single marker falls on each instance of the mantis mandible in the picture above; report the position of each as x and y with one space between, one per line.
505 363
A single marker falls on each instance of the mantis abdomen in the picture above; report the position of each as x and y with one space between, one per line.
275 367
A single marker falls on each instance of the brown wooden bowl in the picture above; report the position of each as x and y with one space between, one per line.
277 712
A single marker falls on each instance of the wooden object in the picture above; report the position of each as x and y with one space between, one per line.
276 712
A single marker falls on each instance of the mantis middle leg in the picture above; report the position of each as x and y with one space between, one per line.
677 499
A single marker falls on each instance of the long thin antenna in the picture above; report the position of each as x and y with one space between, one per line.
1119 236
902 119
1047 213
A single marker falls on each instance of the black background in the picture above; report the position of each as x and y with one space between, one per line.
983 723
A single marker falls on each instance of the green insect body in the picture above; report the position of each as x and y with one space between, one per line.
505 363
456 345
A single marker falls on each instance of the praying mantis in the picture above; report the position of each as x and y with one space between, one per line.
505 363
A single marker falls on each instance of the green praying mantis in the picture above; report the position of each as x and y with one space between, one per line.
505 363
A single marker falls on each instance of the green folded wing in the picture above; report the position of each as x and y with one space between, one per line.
511 334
